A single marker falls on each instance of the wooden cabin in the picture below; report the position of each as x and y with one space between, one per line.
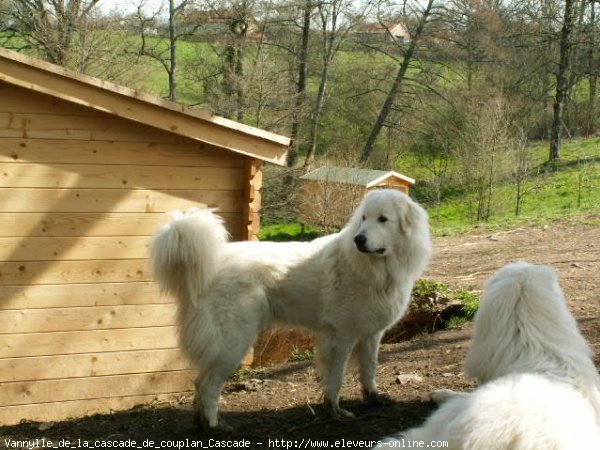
87 171
328 195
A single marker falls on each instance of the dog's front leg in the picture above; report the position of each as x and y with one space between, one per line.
332 357
443 395
366 352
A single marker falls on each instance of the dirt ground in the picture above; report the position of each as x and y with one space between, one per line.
283 402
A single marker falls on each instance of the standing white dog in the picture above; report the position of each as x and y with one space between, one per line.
540 389
348 288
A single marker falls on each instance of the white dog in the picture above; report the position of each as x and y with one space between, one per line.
348 288
540 389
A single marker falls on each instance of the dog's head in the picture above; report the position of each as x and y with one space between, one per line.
385 219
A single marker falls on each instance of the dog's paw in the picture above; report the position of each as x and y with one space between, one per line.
440 396
341 413
336 412
217 425
374 398
224 427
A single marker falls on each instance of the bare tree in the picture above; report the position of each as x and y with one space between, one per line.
285 31
482 145
49 26
433 147
155 48
591 62
337 19
302 82
422 21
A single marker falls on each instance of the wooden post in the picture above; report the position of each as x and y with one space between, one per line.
252 199
251 207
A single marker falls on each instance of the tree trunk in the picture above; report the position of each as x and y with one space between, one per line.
66 28
400 76
518 198
592 71
562 79
329 50
314 130
292 156
173 53
239 75
233 70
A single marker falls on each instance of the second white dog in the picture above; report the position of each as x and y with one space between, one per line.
540 389
348 287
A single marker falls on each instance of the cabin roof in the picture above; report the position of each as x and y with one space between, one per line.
49 79
349 175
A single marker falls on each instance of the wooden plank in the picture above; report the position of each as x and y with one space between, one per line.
109 176
66 272
86 318
15 99
76 127
74 295
60 151
43 391
73 248
91 224
71 342
91 365
114 200
56 411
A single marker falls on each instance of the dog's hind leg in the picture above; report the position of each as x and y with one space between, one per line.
366 352
212 377
231 318
222 357
209 385
332 358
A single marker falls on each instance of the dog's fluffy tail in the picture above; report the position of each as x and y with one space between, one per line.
185 254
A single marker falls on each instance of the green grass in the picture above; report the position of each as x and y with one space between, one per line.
466 313
429 295
302 355
565 190
192 58
294 231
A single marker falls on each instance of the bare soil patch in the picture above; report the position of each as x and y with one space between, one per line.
283 401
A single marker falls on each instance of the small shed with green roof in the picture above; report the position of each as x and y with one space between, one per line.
329 194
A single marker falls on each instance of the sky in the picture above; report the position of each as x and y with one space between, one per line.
128 6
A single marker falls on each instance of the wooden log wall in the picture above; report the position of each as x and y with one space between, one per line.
83 329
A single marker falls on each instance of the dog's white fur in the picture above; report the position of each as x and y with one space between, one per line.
348 293
540 389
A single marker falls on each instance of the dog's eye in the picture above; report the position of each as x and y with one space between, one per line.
364 218
382 219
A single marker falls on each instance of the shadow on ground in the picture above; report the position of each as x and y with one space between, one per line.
175 423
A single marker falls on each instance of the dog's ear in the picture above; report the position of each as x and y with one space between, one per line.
411 214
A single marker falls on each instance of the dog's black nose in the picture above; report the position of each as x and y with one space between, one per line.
360 240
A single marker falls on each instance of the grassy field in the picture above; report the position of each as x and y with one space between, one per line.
565 190
568 190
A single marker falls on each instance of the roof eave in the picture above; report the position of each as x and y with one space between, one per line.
388 175
49 79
